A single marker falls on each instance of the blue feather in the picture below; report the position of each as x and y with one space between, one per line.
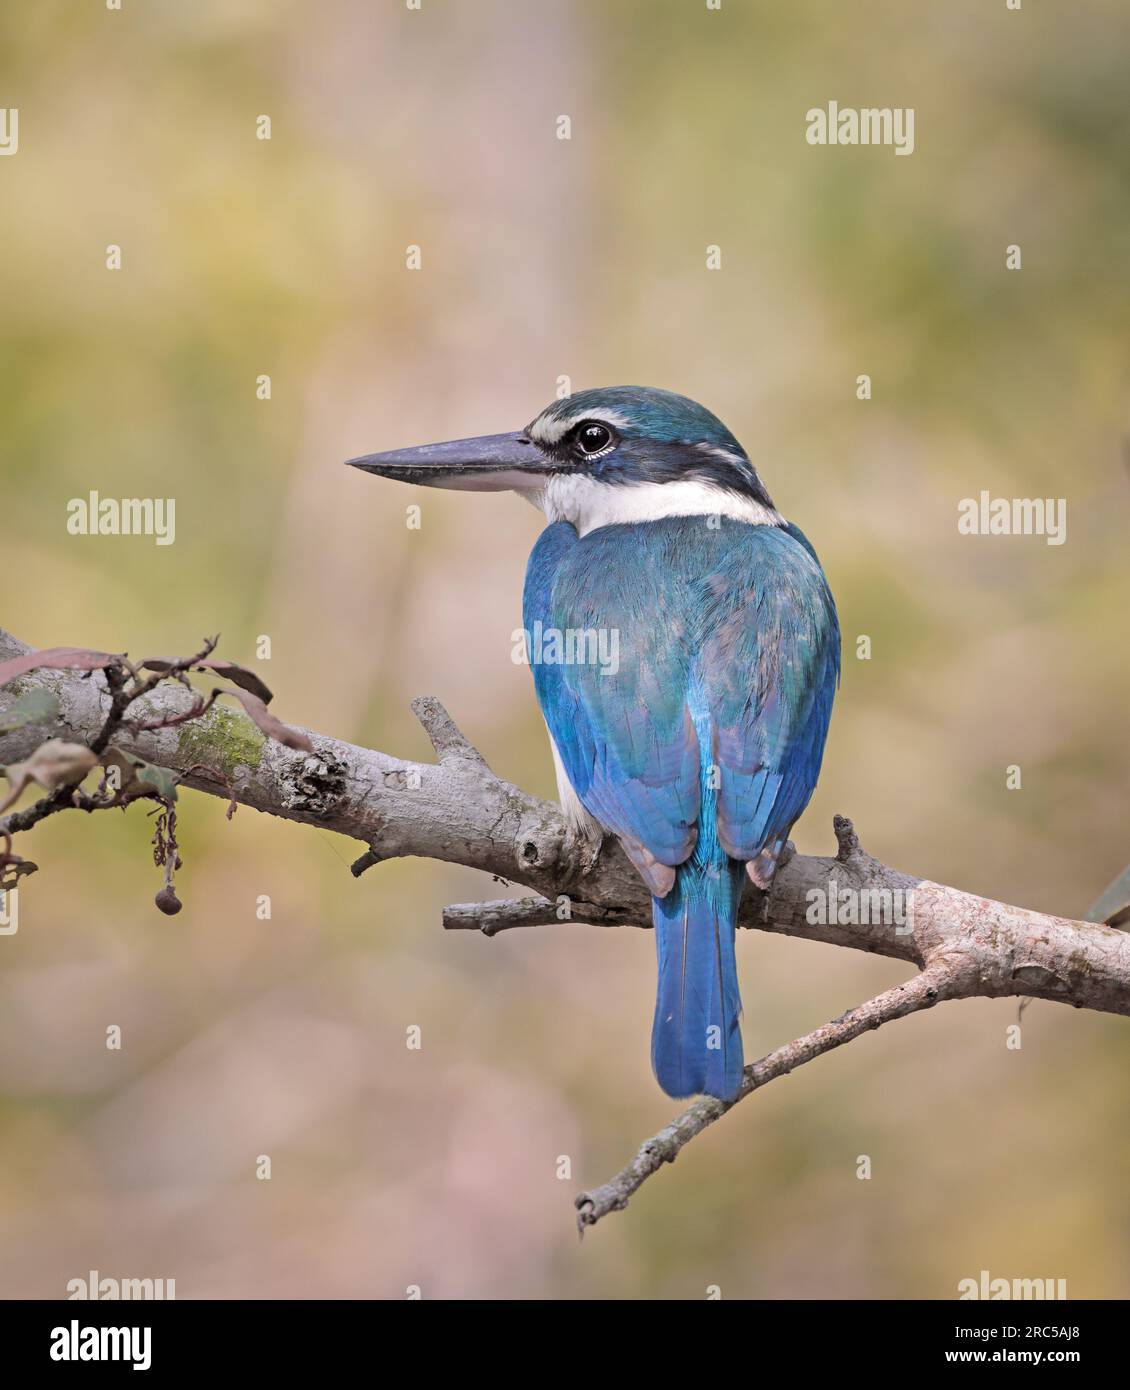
703 748
696 1041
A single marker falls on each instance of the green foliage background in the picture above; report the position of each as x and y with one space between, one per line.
540 258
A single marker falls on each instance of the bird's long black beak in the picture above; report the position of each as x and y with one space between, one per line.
490 463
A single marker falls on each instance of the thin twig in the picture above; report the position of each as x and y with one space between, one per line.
925 990
504 914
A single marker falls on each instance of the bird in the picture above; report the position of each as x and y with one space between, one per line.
699 745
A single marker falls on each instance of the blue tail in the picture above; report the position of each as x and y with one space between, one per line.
696 1041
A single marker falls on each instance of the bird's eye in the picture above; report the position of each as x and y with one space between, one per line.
592 437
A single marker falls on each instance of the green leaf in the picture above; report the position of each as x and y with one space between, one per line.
31 708
136 777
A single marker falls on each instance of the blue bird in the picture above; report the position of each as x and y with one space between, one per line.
686 651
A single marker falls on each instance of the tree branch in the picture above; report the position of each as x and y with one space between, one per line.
925 990
458 811
503 914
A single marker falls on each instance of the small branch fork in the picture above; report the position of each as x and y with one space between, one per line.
458 811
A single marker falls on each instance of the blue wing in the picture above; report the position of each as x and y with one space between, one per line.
727 651
770 662
622 730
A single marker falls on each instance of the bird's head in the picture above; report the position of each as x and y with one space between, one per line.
614 454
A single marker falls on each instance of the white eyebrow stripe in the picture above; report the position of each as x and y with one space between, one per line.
727 454
549 429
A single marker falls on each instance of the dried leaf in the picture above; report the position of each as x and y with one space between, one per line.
32 707
13 869
56 659
272 727
238 675
136 777
1113 907
53 764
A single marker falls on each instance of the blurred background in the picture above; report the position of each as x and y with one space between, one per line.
545 258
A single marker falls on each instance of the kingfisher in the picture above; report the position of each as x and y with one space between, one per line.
700 745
